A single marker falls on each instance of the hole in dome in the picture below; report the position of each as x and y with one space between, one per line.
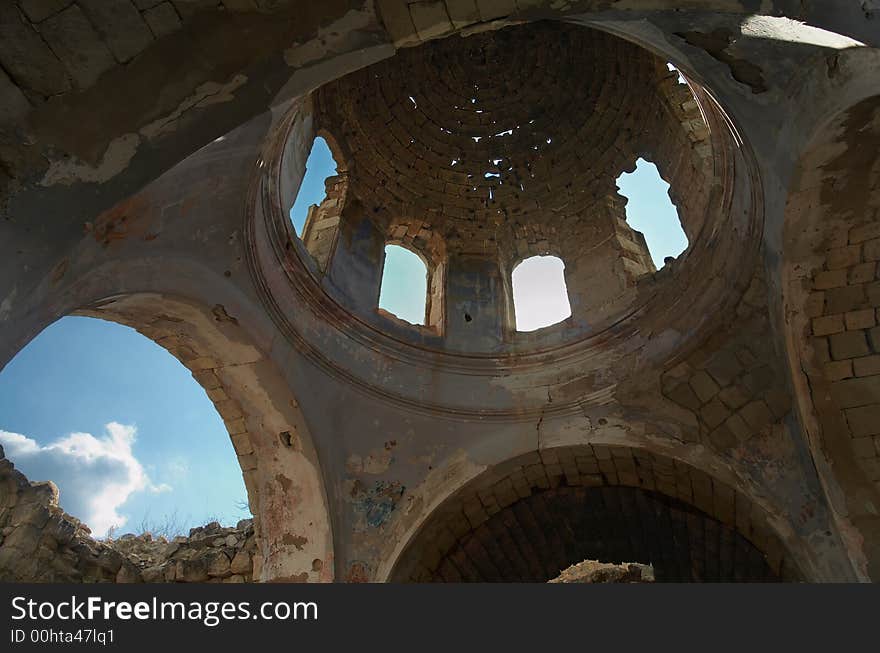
671 68
312 191
650 211
492 175
414 103
404 289
540 296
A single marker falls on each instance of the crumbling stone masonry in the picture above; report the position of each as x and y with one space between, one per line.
715 419
42 543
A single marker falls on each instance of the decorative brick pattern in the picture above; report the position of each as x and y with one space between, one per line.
844 307
736 390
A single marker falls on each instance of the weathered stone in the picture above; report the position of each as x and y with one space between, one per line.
163 20
26 57
74 41
120 25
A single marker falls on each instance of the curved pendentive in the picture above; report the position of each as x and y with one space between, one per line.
617 303
534 516
492 148
831 285
274 449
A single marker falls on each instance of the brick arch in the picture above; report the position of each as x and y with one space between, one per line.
831 295
271 440
534 515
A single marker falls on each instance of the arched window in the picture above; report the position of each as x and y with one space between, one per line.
540 297
404 289
312 191
650 211
121 427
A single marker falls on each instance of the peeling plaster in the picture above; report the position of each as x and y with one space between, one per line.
206 94
330 39
780 28
116 158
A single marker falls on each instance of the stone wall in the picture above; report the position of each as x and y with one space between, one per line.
39 542
591 571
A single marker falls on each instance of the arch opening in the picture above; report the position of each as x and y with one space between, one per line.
320 167
533 517
540 296
651 213
139 448
404 289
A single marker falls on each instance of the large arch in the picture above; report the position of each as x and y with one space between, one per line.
532 516
269 434
831 302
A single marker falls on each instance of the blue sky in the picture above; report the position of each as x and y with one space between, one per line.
166 454
650 211
132 440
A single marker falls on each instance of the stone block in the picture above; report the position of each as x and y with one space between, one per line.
188 8
830 279
862 273
850 344
734 396
859 391
683 395
724 367
162 19
843 257
864 420
26 57
846 299
121 25
13 103
836 370
39 10
756 414
397 20
864 232
146 4
462 12
704 386
872 250
828 324
430 18
77 44
815 304
867 366
874 339
863 319
493 9
714 413
873 293
864 447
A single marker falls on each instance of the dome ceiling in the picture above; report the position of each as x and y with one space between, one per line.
446 134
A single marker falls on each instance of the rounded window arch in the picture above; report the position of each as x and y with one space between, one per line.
540 295
404 289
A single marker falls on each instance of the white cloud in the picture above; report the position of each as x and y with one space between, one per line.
96 476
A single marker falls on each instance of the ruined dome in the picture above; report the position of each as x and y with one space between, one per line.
479 152
446 135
